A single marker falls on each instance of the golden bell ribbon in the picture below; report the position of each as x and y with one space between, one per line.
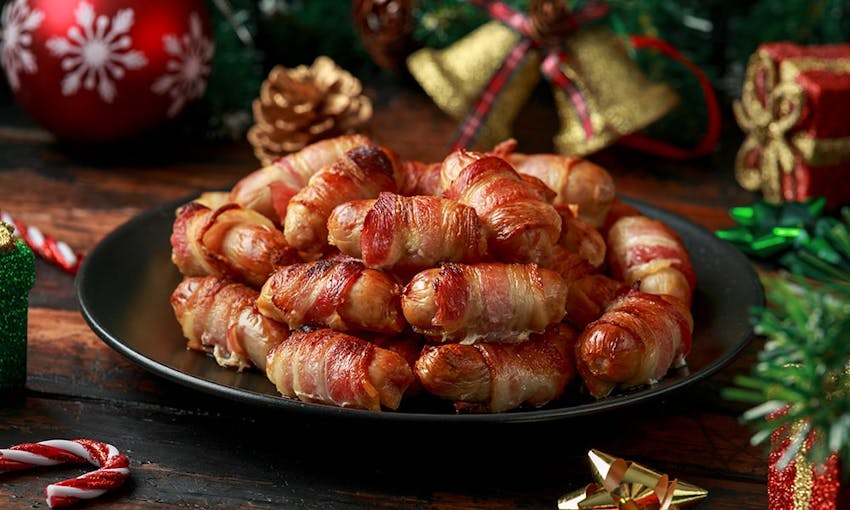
766 111
625 485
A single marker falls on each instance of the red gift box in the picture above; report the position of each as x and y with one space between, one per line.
799 485
794 108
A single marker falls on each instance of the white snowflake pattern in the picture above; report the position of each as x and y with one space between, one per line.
187 68
97 51
18 22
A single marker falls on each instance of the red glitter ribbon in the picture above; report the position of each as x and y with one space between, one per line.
711 136
819 487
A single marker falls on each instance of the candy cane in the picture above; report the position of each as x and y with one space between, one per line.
48 248
113 467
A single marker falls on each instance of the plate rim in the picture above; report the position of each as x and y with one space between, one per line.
248 396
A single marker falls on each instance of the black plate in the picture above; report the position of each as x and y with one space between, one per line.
125 283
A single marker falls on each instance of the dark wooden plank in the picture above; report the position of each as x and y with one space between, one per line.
273 459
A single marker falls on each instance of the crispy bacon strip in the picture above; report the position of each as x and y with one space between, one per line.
647 252
497 377
523 226
213 199
580 237
269 189
230 241
570 265
418 178
220 317
408 345
408 234
456 161
589 296
483 302
339 293
575 181
363 172
331 367
636 341
618 209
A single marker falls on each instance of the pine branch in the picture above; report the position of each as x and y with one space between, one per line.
802 376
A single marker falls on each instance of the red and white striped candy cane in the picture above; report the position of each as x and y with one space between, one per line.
48 248
113 467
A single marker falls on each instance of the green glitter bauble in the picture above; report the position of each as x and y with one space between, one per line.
17 276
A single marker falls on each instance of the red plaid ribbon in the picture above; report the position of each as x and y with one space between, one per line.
550 67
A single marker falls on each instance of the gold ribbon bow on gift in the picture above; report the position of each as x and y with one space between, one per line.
766 111
623 485
771 106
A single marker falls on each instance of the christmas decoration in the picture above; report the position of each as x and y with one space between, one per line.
97 70
235 75
17 274
797 236
801 390
794 107
386 29
50 249
799 484
600 93
113 467
300 106
625 485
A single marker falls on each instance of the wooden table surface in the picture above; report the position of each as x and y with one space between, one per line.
192 450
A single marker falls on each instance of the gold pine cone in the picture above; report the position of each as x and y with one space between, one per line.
302 105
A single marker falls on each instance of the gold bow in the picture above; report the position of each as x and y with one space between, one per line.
623 485
767 111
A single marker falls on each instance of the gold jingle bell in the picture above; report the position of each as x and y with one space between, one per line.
455 77
616 97
620 98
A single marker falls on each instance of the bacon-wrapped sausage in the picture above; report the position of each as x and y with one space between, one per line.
331 367
589 296
269 189
576 181
231 241
363 172
459 159
418 178
570 265
456 161
408 345
636 341
220 317
483 302
647 252
339 293
213 199
580 237
523 227
407 234
496 377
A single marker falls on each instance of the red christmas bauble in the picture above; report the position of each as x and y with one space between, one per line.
98 70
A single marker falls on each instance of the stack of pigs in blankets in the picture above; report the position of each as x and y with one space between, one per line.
491 281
